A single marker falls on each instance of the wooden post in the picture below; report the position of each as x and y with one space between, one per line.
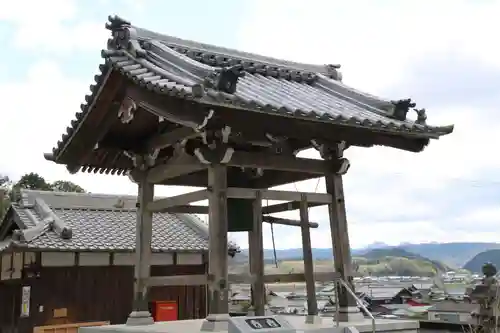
341 248
140 312
256 249
218 241
312 303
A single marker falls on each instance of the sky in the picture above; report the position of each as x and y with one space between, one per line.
443 54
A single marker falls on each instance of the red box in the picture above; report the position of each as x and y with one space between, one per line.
165 311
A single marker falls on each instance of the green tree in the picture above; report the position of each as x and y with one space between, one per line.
66 186
33 181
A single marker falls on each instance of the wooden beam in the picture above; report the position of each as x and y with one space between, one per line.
256 254
199 209
144 232
312 304
291 223
279 162
163 205
217 240
247 193
286 206
169 138
203 279
340 236
177 165
178 280
188 209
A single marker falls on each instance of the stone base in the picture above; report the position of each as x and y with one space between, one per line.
215 323
313 319
351 313
139 318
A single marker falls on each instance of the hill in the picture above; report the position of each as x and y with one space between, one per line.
396 261
476 263
452 254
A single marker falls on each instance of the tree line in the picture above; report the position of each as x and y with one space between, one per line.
30 181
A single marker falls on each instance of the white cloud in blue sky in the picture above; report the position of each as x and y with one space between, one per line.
441 53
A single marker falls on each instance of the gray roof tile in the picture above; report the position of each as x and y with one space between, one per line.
188 69
97 225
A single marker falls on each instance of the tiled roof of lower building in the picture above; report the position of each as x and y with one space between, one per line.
219 76
93 222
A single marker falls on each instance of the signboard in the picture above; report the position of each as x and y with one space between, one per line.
25 301
261 324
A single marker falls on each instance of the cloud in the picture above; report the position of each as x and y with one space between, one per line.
439 54
53 29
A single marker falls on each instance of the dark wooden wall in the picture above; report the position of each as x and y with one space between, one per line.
94 294
10 306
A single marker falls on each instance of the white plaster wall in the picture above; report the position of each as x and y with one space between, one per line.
58 259
189 259
123 259
157 259
93 259
162 259
29 258
17 265
5 266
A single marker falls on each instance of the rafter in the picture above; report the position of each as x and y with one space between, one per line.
178 165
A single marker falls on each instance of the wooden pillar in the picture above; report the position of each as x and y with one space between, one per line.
312 303
256 251
218 242
341 247
140 312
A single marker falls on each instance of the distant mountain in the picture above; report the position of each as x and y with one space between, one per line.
476 263
452 254
398 252
375 262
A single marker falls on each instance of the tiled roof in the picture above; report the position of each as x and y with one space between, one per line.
196 71
99 223
380 293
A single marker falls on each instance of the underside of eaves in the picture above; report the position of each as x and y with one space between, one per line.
149 77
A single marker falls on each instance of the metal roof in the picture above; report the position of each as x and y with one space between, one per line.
97 223
191 70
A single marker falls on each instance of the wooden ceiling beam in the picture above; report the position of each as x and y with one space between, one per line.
247 193
269 161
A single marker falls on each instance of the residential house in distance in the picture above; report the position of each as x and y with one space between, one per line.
384 295
68 258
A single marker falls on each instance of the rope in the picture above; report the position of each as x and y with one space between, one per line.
272 238
272 224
